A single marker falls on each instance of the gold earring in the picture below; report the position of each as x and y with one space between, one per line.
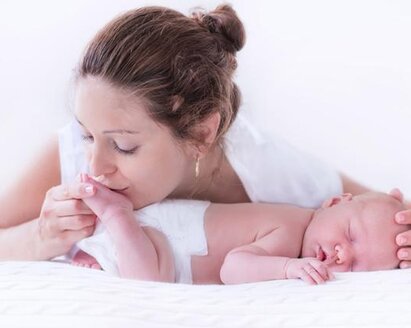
197 167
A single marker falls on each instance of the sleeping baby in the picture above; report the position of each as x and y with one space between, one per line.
198 242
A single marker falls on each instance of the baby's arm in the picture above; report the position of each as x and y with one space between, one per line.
142 253
257 262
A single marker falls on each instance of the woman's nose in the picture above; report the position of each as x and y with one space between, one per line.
99 162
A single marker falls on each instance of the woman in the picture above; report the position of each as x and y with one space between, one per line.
157 108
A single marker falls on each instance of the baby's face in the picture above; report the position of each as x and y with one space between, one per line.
358 233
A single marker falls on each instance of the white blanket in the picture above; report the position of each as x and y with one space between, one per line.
50 294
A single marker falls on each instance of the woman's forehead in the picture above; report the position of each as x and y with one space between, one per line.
98 103
95 90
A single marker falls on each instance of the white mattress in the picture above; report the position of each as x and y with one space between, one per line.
50 294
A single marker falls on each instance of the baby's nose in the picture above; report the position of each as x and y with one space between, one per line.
331 259
342 254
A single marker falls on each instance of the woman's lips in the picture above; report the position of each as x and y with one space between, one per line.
100 179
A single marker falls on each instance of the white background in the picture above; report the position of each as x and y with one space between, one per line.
331 77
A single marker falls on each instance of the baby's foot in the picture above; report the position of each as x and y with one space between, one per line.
85 260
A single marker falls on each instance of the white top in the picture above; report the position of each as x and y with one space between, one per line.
273 171
270 170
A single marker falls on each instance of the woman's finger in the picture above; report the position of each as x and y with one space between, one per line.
403 217
403 238
73 236
404 253
76 222
75 190
405 264
72 207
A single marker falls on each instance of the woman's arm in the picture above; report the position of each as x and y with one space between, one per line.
39 221
23 200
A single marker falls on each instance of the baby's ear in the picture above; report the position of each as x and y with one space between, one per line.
336 200
397 194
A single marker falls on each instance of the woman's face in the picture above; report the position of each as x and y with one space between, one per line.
129 150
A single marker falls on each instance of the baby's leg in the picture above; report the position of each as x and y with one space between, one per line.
85 260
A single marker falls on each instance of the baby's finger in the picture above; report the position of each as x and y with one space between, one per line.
323 270
403 217
75 190
306 277
312 272
76 222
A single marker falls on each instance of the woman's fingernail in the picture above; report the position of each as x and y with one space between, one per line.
89 189
402 240
400 218
403 254
404 265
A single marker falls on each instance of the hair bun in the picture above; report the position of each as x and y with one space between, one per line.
223 21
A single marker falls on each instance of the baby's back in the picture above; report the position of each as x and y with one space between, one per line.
228 226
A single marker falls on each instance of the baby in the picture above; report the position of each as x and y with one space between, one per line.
203 243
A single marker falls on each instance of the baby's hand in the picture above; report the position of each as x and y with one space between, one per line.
309 269
105 203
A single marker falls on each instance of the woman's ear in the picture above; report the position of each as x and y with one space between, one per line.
336 200
206 132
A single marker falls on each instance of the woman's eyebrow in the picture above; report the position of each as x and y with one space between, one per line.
119 131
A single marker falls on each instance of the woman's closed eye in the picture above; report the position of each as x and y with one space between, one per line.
90 139
86 138
124 151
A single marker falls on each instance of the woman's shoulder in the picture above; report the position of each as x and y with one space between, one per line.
243 130
272 170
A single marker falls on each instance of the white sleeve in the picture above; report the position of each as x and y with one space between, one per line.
273 171
71 151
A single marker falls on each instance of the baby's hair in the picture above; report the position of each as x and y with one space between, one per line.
182 67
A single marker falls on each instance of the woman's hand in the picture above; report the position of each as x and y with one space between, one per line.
106 203
64 219
404 239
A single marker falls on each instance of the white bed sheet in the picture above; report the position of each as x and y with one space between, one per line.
51 294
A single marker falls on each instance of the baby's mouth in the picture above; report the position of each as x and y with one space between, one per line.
326 258
321 255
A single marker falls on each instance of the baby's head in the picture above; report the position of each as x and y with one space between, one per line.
356 233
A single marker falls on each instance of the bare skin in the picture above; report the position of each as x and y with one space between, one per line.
256 242
48 218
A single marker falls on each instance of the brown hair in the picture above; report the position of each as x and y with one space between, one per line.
181 66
